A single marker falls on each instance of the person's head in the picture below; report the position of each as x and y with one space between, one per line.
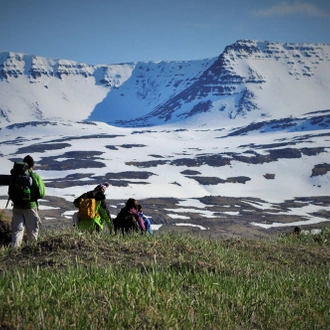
296 231
29 160
140 209
101 188
132 204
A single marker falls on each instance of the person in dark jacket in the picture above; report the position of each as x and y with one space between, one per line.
26 212
102 214
128 219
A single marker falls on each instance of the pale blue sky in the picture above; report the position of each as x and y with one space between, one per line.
120 31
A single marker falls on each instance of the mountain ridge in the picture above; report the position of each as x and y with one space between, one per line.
248 81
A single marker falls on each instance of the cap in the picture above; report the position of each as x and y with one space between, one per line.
102 187
29 160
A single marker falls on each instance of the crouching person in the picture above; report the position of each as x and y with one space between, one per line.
93 211
129 219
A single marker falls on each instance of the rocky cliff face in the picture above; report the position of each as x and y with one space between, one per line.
235 82
15 65
250 79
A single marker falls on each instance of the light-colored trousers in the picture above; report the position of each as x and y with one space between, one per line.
25 219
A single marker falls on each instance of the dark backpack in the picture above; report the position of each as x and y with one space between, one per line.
21 186
126 222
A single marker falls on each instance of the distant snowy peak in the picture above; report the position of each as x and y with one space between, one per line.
300 59
249 80
252 79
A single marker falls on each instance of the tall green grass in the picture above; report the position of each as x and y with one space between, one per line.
73 281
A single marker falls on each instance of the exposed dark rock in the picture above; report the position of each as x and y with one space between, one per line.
204 180
238 179
156 156
198 108
215 160
267 146
151 163
129 175
190 172
284 153
320 169
269 176
207 180
75 160
176 183
312 151
32 123
322 121
189 162
111 147
128 146
86 137
42 147
255 159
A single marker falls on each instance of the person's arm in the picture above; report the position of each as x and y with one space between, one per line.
141 223
40 184
104 213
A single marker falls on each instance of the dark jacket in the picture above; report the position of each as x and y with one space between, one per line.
128 220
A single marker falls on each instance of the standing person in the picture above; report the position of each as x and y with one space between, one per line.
101 212
146 220
25 211
128 219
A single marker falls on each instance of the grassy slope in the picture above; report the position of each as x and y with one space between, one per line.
169 281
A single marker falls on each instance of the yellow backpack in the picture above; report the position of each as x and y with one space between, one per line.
87 209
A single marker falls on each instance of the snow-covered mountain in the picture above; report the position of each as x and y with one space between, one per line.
250 80
226 144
